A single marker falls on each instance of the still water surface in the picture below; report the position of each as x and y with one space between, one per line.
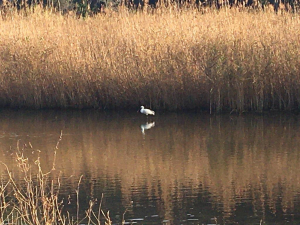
169 169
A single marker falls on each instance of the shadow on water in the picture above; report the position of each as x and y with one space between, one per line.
181 169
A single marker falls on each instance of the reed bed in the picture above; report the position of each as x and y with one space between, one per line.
230 60
34 198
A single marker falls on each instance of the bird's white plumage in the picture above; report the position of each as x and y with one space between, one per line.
147 111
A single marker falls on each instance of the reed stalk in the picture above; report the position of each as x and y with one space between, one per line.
35 199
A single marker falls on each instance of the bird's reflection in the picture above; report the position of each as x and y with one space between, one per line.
147 126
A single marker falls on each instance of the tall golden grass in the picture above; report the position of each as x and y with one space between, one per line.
33 198
226 60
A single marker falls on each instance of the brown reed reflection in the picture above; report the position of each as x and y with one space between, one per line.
226 161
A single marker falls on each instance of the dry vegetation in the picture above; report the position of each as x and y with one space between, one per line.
32 198
226 60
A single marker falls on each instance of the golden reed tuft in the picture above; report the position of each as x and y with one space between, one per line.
219 61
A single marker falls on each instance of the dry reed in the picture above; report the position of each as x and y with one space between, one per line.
226 60
34 199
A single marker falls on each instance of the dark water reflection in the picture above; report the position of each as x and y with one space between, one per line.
172 168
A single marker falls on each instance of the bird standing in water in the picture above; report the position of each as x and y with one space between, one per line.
147 111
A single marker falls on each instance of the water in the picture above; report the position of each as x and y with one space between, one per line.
169 169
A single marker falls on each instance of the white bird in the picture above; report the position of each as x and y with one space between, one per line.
147 111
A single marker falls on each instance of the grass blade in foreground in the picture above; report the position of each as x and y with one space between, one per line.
36 201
